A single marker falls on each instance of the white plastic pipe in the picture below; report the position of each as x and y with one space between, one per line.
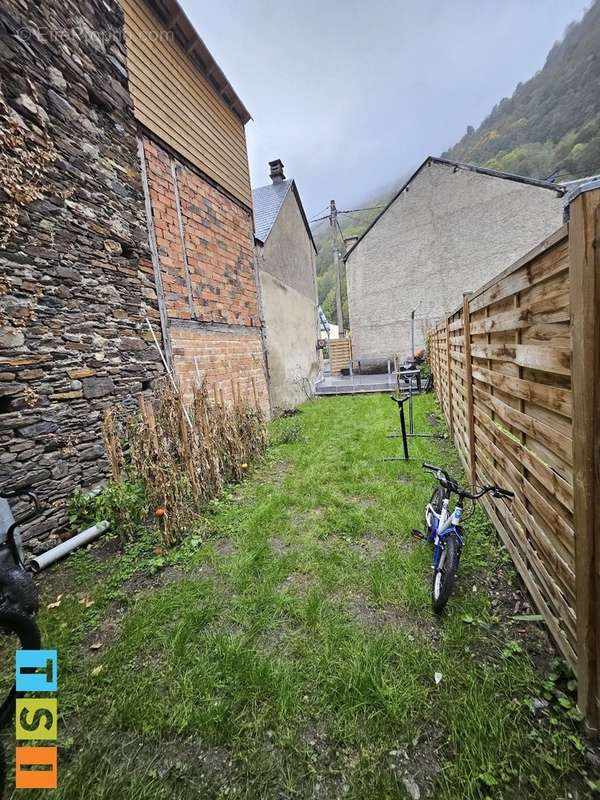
64 548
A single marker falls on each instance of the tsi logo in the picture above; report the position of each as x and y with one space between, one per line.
36 719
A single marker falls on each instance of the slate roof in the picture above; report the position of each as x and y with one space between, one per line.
267 202
456 165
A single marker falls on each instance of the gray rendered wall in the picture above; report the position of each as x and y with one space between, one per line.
289 300
449 232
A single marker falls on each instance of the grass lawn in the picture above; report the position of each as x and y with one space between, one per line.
287 648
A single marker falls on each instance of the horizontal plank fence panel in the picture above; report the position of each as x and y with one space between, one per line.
547 359
340 354
512 368
552 397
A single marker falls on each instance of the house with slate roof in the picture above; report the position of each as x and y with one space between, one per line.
449 229
286 258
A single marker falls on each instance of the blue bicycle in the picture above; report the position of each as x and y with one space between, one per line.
445 531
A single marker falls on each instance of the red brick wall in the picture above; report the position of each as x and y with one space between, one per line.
218 333
219 357
219 246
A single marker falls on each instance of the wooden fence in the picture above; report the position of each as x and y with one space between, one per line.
340 354
517 374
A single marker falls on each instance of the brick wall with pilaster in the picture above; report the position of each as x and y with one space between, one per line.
228 361
204 241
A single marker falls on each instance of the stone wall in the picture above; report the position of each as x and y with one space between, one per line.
76 281
204 241
449 232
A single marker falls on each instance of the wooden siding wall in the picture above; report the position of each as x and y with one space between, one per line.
175 101
502 366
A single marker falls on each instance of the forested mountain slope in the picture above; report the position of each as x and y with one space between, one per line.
551 124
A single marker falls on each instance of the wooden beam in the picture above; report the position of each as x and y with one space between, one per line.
186 266
449 378
469 388
584 258
158 284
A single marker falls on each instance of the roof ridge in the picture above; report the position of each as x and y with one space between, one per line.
267 206
265 215
561 190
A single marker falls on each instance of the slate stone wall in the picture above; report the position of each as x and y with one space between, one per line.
75 276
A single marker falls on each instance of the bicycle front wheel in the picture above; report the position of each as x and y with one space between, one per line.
444 574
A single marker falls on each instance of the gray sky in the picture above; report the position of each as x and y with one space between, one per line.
353 95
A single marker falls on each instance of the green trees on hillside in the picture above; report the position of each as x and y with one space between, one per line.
352 225
550 127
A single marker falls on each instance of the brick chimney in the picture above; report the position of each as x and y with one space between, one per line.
276 173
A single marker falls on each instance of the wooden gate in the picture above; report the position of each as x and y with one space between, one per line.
340 354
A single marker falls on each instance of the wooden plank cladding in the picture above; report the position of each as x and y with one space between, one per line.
517 375
340 354
173 99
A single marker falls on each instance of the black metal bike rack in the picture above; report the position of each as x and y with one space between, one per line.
400 401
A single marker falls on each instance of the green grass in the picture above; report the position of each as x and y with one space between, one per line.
292 652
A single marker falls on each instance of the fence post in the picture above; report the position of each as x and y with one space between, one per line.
584 261
449 375
469 386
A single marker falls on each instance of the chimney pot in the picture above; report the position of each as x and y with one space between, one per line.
276 173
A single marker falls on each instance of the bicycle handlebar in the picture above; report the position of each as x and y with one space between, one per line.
450 484
15 494
20 493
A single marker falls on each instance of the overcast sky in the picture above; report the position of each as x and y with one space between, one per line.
354 95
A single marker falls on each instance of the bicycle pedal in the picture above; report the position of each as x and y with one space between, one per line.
417 534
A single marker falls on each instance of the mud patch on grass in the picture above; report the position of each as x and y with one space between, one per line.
275 474
224 628
200 571
306 519
332 763
274 641
225 547
509 600
297 583
212 766
281 547
386 617
109 630
362 502
280 468
405 479
369 546
314 735
418 774
144 581
105 549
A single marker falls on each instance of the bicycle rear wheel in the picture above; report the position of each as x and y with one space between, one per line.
444 574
